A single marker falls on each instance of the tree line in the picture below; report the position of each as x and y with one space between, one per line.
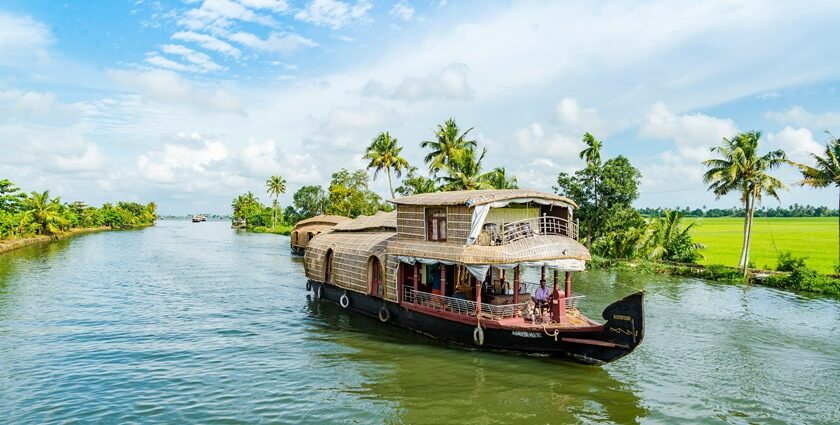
37 213
794 210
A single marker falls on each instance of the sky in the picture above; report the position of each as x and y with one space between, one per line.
190 103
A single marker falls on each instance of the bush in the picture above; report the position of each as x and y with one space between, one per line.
787 262
805 279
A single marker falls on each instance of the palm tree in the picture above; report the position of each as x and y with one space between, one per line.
499 179
275 186
740 168
465 174
384 153
826 172
592 152
449 145
665 235
44 213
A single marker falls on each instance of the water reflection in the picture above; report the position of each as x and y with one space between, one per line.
430 382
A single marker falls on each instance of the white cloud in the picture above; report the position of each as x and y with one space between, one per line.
220 14
198 59
92 159
577 119
22 38
208 42
278 6
169 87
190 159
798 115
268 159
448 83
334 13
693 134
798 143
402 10
283 42
17 102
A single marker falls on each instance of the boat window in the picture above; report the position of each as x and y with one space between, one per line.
436 224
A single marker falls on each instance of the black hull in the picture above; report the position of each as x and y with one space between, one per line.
622 332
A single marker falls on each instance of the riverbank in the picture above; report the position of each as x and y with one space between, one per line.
278 230
7 245
799 280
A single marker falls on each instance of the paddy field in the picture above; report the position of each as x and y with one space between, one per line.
811 237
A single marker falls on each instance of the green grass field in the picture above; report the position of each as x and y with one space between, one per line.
814 238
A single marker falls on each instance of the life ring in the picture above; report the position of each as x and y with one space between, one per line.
478 336
384 314
344 301
308 285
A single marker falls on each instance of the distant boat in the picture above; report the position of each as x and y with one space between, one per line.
198 218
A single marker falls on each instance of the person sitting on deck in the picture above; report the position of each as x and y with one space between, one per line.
542 294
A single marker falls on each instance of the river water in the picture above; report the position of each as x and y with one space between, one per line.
199 323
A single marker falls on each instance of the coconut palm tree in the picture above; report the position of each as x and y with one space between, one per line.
449 145
43 213
826 172
465 174
740 169
592 153
499 179
384 153
275 186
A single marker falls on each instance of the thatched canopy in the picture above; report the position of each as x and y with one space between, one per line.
482 197
323 219
536 248
379 221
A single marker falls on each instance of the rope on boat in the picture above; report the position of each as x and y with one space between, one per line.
556 331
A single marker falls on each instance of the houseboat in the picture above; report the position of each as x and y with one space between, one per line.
307 229
198 218
450 265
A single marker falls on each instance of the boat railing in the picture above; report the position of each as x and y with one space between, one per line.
571 301
529 227
461 306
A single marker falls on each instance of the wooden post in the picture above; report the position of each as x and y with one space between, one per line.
556 280
442 279
478 287
542 274
568 284
416 277
516 282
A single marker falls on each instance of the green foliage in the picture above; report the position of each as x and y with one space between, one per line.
350 196
449 146
787 262
275 186
668 241
605 193
802 278
415 183
740 168
38 214
310 201
11 197
384 154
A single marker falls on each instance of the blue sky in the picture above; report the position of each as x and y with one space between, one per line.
190 103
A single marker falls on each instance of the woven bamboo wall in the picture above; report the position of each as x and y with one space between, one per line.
351 252
411 222
458 222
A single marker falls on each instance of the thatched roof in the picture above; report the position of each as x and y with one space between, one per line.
535 248
323 219
379 221
480 197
